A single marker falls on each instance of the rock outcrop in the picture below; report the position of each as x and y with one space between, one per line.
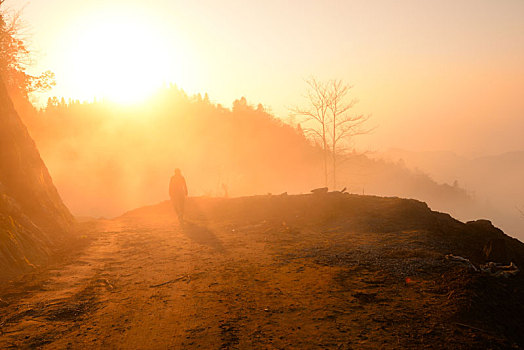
33 218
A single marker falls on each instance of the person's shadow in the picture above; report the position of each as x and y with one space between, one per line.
202 235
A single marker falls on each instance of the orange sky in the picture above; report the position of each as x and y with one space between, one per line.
435 75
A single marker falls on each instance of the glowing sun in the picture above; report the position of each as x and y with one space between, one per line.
123 59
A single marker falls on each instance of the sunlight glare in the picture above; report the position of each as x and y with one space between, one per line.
122 59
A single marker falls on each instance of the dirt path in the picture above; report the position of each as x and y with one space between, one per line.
153 284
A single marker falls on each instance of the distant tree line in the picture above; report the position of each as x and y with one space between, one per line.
123 154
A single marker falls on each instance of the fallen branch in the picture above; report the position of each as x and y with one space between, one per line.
463 260
471 327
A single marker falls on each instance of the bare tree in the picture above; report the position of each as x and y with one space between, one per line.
329 108
317 111
343 125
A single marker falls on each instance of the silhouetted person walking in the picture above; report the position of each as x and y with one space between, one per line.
178 193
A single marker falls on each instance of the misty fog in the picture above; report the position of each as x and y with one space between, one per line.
494 182
106 159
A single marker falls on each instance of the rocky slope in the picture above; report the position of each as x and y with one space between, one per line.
33 217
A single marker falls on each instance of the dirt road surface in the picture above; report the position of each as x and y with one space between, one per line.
144 281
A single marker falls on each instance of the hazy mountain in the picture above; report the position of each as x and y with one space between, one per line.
494 181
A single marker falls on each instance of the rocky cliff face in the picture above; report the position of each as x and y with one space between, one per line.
33 217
